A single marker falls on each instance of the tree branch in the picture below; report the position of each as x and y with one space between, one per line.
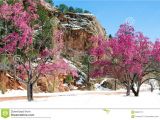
147 80
20 80
35 80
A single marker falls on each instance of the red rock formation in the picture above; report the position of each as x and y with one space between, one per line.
7 82
78 28
52 83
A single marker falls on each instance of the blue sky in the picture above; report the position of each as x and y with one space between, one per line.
143 14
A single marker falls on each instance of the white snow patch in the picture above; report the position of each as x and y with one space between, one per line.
100 88
80 81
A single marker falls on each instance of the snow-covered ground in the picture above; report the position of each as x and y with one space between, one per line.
87 99
87 105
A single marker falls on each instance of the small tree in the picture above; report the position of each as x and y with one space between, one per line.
86 11
50 2
78 10
71 9
63 8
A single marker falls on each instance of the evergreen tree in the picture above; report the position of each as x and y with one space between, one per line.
86 11
110 36
50 2
63 8
71 9
79 10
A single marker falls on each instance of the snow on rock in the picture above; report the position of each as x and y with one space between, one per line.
99 87
80 81
154 83
82 75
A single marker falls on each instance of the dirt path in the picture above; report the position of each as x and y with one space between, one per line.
19 98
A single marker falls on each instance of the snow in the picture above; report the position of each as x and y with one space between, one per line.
99 87
80 81
73 26
86 14
82 75
86 105
88 99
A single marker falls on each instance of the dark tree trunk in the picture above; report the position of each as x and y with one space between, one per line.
135 92
88 72
128 91
115 84
30 92
152 88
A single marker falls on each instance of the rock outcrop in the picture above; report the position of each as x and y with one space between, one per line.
78 28
7 82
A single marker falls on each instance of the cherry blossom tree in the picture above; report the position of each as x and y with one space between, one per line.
125 57
29 64
21 19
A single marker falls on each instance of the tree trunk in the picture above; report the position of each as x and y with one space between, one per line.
115 84
30 92
88 72
135 92
128 91
152 88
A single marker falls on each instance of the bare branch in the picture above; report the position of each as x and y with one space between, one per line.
36 79
21 80
147 80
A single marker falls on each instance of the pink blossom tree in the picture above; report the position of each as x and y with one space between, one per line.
21 19
125 57
29 65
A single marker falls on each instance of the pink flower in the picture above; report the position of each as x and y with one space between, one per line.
127 51
21 18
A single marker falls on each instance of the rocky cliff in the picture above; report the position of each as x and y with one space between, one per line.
78 28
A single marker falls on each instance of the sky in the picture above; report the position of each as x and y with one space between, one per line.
144 15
